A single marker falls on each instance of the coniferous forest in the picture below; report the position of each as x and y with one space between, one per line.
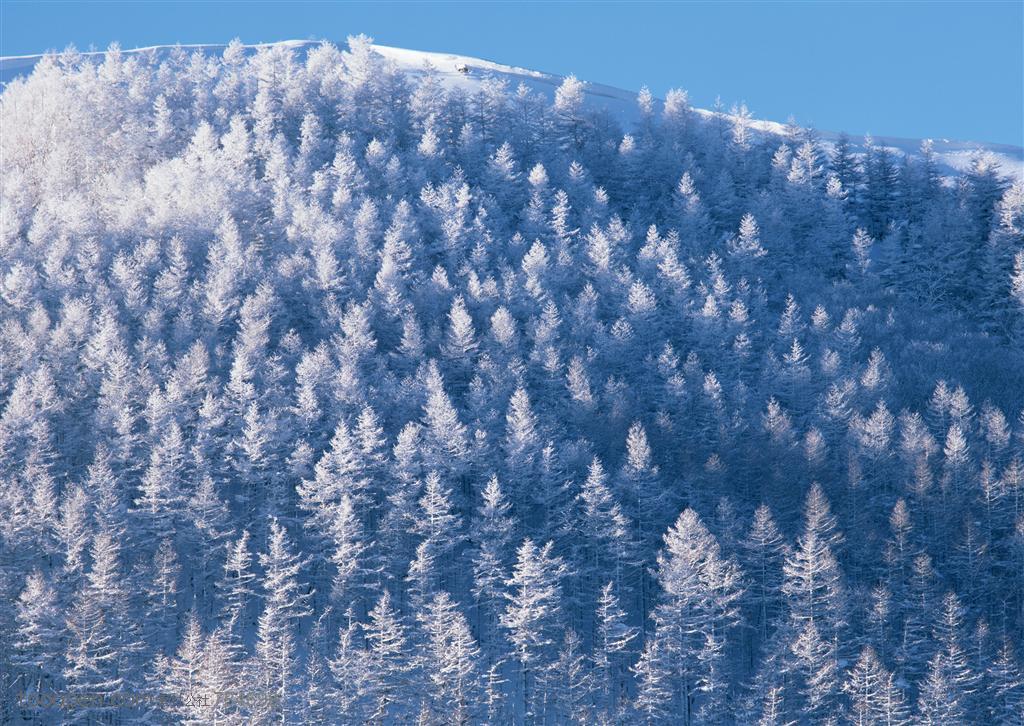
331 394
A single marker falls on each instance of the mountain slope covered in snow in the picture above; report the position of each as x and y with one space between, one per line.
340 388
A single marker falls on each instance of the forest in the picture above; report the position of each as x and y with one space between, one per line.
331 394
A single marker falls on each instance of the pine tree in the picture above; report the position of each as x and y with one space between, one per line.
337 474
461 344
814 661
747 244
605 530
1007 689
162 497
646 499
234 588
219 672
880 188
521 445
440 528
572 681
211 522
939 702
182 680
348 556
951 666
862 245
161 592
653 701
73 530
445 439
568 109
109 509
914 649
764 551
1017 279
844 164
318 704
351 670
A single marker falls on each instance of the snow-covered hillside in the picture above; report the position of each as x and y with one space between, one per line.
468 73
339 390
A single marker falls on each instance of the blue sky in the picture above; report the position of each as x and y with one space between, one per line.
919 69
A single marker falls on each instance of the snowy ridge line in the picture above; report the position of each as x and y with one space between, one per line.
953 155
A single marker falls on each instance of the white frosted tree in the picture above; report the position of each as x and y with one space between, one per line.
73 530
161 589
874 696
813 583
210 533
654 698
182 679
103 642
569 112
492 536
39 636
159 507
348 557
1007 686
814 664
390 668
612 648
532 617
235 586
746 245
284 605
450 661
763 553
605 531
571 682
697 607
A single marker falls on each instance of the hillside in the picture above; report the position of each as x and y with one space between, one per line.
339 388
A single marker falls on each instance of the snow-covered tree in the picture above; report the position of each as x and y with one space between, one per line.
532 616
284 604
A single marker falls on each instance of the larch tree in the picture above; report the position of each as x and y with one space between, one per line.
391 672
532 616
612 649
491 537
696 608
103 642
40 635
813 581
452 661
874 696
285 602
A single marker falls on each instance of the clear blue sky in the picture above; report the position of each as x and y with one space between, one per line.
918 69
